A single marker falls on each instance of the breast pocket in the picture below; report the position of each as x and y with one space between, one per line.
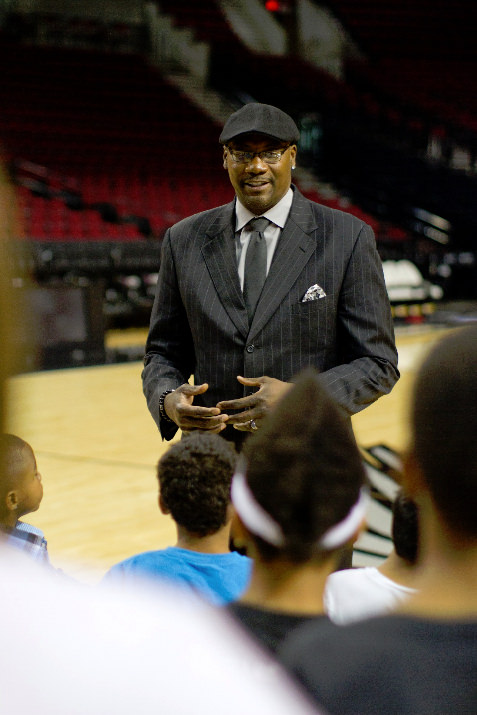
313 324
311 307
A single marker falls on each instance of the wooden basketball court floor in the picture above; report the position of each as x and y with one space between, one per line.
97 446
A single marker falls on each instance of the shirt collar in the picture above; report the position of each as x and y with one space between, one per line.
278 214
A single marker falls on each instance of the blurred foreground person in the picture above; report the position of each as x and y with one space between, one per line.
422 659
70 648
7 223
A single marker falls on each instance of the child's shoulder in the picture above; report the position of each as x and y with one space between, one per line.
30 539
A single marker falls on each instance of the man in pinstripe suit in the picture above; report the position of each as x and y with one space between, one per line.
323 303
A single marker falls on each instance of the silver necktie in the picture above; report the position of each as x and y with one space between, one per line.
255 270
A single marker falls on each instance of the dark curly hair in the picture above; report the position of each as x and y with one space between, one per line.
194 480
304 468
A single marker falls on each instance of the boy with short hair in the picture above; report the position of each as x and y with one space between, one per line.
194 477
21 492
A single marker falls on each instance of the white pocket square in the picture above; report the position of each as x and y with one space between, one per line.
314 292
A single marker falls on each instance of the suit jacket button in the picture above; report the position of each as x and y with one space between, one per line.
250 348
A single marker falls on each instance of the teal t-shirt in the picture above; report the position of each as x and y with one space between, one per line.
220 578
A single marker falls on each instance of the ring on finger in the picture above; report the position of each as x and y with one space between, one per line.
253 425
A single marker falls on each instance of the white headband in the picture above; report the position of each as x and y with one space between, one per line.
261 524
344 530
252 514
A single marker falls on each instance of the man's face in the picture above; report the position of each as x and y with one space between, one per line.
259 185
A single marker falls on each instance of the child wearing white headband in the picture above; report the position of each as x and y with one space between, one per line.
300 497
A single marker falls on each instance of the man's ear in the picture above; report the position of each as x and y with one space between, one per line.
225 159
293 155
162 505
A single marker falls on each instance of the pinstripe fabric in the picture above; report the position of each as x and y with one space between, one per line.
199 324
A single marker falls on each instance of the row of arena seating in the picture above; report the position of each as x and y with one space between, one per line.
53 220
159 207
120 138
107 129
46 219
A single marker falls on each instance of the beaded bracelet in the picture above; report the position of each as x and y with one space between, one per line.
162 412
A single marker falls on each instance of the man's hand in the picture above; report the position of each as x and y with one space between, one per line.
254 407
179 407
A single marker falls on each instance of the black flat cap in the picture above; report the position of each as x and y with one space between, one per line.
261 118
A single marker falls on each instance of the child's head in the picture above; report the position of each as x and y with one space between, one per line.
444 429
304 472
21 490
194 482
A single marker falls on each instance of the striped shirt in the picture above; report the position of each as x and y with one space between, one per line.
30 540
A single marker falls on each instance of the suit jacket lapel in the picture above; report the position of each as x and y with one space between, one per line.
220 257
292 253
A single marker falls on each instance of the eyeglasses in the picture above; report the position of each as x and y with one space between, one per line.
269 156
